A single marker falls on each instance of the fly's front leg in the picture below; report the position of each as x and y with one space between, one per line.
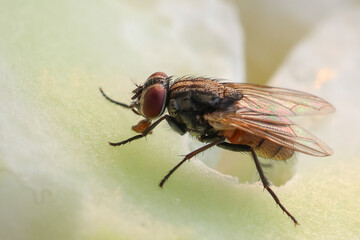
144 133
265 182
113 101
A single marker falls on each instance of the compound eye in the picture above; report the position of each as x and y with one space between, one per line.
153 101
158 75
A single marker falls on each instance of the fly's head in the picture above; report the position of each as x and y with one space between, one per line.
149 99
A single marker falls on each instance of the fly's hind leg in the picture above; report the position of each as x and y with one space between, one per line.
265 182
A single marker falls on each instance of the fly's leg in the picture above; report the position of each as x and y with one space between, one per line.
189 156
119 103
113 101
267 187
245 148
144 133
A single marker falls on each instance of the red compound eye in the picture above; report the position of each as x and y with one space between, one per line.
153 101
158 75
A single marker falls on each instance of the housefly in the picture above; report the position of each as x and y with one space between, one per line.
235 116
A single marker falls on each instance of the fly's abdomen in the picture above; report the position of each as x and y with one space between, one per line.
263 147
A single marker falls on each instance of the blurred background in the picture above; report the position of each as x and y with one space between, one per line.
59 178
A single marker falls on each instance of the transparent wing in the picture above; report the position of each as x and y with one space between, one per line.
277 129
279 101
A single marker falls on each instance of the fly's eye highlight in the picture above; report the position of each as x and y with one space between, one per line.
158 75
153 101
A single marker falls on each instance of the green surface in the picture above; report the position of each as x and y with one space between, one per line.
59 178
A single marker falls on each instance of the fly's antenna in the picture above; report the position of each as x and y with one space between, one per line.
137 85
113 101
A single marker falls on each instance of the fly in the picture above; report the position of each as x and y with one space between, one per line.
235 116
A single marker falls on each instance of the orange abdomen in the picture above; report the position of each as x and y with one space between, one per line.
264 148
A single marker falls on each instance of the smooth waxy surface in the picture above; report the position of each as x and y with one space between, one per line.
59 177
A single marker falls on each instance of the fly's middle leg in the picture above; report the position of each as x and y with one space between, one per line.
265 182
188 157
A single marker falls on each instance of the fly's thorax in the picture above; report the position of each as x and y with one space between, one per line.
191 121
232 94
202 94
194 95
191 98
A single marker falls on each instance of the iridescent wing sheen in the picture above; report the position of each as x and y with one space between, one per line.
280 101
277 129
